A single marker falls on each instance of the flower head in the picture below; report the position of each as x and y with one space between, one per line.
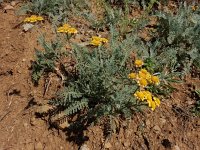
138 63
39 18
157 101
142 82
155 80
139 95
66 28
72 31
143 73
33 19
97 41
132 75
152 104
151 100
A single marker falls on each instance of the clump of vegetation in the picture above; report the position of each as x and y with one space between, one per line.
46 59
179 32
107 83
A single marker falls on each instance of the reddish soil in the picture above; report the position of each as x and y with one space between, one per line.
171 126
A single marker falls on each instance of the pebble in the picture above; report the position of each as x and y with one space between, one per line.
163 121
25 124
127 144
157 129
39 146
148 123
84 147
108 145
176 147
8 7
13 3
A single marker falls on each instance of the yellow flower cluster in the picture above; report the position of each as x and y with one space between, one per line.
33 19
143 78
97 41
66 28
152 101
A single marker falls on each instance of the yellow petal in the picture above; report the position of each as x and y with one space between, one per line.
66 26
72 30
39 18
153 105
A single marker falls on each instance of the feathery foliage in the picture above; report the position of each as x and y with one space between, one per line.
45 60
179 34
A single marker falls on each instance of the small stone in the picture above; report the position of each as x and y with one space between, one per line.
176 147
8 7
13 3
127 144
148 123
25 124
39 146
162 120
29 146
36 122
64 125
157 129
84 147
33 121
108 145
27 26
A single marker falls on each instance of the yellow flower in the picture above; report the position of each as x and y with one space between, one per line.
61 29
132 75
142 82
148 97
152 101
157 101
39 18
72 31
33 18
139 95
66 28
97 41
155 80
153 105
104 40
138 63
143 73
